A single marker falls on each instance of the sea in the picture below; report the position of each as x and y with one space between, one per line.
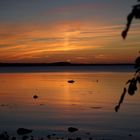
86 104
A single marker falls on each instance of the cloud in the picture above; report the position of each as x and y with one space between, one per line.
77 7
26 42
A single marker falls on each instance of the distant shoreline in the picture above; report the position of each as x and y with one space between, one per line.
66 68
59 64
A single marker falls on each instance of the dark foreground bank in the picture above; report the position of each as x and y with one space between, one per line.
71 134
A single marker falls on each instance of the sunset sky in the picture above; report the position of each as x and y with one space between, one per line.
78 31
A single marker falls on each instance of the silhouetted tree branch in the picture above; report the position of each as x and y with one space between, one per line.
135 13
131 84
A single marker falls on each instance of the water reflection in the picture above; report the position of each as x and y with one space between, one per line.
88 103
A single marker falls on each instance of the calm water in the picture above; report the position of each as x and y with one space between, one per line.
87 104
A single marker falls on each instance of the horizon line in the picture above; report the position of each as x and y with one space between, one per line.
61 64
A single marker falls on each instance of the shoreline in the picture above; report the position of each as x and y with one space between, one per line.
5 135
72 68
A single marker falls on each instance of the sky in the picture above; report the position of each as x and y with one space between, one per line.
77 31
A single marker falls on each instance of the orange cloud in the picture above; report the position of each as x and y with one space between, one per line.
24 42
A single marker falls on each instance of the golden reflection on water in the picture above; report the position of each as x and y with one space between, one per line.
53 88
88 102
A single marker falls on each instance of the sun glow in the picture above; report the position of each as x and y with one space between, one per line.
64 41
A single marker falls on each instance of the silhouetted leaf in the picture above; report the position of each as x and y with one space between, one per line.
137 62
117 108
121 100
138 70
124 34
132 87
129 20
134 13
138 79
122 97
128 82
